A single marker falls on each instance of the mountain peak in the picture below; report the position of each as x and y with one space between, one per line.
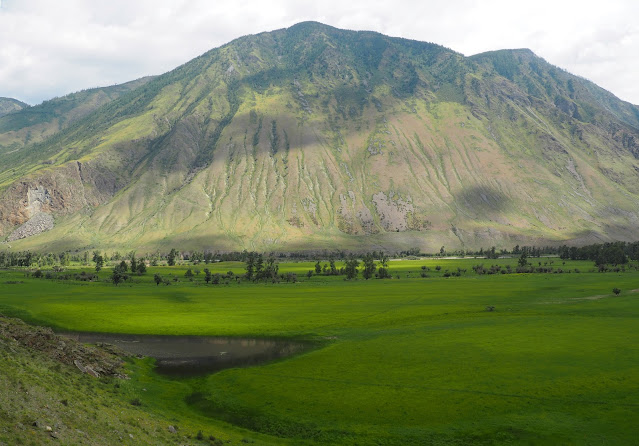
314 137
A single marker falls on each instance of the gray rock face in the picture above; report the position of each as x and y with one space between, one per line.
37 224
37 198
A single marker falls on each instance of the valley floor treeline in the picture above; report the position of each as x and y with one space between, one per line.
604 253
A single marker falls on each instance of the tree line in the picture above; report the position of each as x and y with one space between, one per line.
604 253
616 253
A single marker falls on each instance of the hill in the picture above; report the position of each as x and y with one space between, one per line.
46 399
9 105
313 137
28 125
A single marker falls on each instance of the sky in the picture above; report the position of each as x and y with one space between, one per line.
50 48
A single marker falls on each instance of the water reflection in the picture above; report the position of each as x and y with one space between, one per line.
196 355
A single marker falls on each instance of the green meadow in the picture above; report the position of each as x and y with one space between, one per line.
407 360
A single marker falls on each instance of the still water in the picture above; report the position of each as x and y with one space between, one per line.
197 355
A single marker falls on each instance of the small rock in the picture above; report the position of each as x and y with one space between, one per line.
55 435
172 429
131 436
92 372
48 429
79 365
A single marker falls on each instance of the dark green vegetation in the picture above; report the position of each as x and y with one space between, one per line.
467 358
313 137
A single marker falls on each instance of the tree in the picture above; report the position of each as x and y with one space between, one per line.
271 269
383 273
157 278
134 263
141 267
351 267
309 274
172 256
188 274
250 265
369 266
259 267
207 275
99 263
118 276
523 259
617 291
318 267
332 267
123 266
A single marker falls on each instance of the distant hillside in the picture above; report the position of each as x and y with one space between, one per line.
8 105
34 124
313 137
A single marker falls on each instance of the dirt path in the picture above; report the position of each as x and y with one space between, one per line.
597 297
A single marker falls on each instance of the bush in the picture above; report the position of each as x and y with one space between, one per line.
617 291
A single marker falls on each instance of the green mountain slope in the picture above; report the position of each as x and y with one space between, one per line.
314 137
9 105
34 124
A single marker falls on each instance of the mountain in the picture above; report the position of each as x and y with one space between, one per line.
29 125
313 137
9 105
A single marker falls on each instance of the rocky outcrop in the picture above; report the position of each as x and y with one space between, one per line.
102 361
60 191
393 211
37 224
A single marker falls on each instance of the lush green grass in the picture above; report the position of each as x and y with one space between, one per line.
408 361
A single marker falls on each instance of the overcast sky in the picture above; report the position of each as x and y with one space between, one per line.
50 48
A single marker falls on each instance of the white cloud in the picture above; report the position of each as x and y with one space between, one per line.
50 48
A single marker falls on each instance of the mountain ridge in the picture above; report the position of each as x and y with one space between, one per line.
10 105
312 137
33 124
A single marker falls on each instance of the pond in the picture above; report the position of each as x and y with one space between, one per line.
197 355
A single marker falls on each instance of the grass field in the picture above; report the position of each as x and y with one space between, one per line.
403 361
